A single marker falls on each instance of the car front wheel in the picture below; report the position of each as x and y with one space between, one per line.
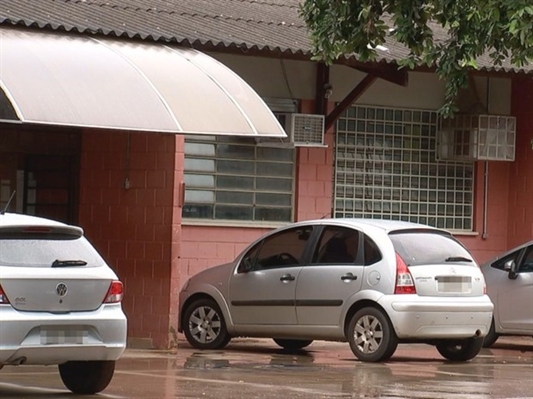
371 335
460 350
87 378
293 344
204 325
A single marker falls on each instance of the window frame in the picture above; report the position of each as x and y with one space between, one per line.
258 201
392 172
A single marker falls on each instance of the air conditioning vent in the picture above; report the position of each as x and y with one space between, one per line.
306 130
477 137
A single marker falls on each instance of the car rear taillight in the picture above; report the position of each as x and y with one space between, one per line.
3 297
404 280
115 292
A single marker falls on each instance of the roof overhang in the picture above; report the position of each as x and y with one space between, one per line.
64 79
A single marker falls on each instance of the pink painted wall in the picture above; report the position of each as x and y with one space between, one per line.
520 228
132 228
510 187
494 242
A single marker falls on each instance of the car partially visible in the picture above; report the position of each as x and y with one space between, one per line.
60 303
372 283
509 279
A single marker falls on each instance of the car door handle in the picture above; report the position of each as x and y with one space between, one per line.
287 277
348 277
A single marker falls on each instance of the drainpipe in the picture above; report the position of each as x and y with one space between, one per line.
485 234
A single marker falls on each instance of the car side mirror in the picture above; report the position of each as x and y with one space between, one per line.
510 266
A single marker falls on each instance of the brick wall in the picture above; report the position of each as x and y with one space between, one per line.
133 227
314 176
206 246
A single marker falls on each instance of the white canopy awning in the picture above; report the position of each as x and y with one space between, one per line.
79 80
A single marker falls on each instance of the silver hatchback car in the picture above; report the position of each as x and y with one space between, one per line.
60 303
509 279
373 283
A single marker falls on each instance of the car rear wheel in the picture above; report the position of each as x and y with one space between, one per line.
293 344
204 325
491 336
460 350
371 335
87 378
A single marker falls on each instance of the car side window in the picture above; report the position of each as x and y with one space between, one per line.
337 245
283 249
500 263
372 253
527 263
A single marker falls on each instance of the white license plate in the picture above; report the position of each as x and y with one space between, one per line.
454 284
63 336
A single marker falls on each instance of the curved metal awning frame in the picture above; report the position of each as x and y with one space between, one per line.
63 79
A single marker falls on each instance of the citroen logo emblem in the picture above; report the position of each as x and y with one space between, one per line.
61 289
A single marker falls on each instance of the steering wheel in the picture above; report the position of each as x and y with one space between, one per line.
287 258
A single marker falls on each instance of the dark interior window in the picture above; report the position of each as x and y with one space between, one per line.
283 249
337 245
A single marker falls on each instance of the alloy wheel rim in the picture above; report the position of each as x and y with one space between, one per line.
368 334
204 324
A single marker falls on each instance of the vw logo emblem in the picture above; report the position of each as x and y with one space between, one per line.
61 289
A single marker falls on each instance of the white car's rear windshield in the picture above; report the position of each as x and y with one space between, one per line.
52 251
422 247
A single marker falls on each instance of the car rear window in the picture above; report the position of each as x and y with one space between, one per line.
17 250
420 247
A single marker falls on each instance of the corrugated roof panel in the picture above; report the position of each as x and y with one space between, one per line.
272 25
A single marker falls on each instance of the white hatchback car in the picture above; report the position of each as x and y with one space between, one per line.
60 303
373 283
509 280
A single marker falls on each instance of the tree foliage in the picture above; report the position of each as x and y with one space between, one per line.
449 35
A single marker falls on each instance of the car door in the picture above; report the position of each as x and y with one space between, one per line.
515 294
334 274
262 288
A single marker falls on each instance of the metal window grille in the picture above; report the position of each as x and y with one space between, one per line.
386 168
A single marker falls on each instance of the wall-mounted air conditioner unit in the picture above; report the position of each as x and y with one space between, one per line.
303 130
306 130
477 137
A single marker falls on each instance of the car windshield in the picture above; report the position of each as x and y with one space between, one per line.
34 252
428 247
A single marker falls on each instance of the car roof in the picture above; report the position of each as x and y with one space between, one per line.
20 220
385 225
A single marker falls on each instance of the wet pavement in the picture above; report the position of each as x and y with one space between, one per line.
252 368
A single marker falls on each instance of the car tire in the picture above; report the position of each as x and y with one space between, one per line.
87 378
204 325
293 344
491 336
460 350
371 335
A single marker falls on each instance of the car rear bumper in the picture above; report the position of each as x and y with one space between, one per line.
416 317
46 338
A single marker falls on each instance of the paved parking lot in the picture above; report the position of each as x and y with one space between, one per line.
250 368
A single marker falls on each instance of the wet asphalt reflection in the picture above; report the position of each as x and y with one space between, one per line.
259 369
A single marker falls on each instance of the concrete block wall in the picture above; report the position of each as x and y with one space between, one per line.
131 223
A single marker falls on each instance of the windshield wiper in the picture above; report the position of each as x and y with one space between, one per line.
457 259
68 263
